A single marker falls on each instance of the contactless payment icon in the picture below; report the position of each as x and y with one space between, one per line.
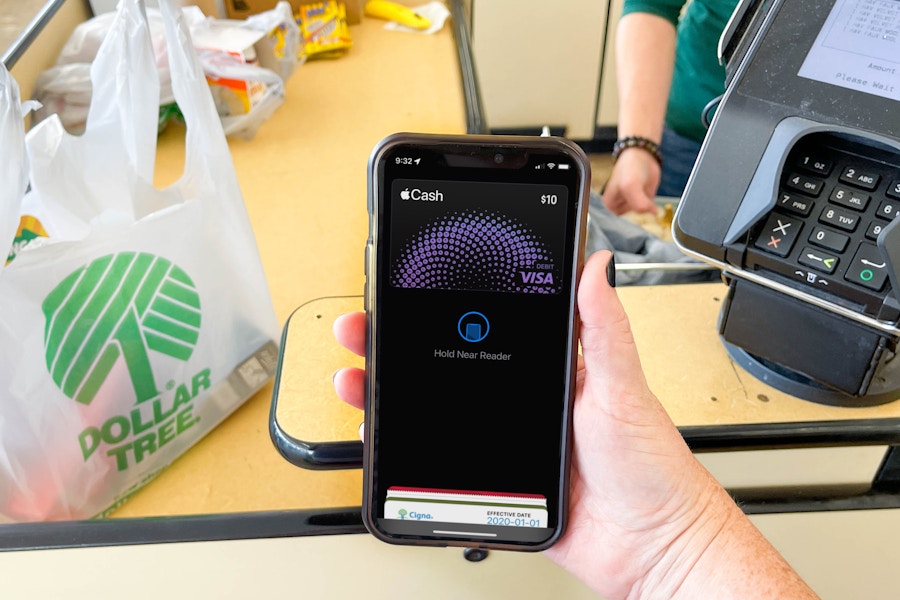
473 326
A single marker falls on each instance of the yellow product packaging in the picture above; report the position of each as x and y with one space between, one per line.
324 30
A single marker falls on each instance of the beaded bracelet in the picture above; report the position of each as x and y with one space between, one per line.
636 141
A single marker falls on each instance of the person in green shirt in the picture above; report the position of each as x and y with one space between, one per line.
667 72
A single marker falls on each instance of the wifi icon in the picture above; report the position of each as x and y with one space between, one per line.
551 165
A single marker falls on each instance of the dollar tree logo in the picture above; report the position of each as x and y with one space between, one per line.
122 305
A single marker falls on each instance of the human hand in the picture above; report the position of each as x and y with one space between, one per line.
633 183
636 488
646 520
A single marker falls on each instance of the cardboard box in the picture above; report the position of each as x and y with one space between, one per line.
241 9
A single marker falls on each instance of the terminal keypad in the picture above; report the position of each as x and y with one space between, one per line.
832 205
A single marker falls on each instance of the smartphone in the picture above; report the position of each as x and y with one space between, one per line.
474 252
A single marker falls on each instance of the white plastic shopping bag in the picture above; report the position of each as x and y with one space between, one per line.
13 161
65 88
132 320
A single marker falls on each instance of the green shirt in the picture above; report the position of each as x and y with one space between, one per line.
698 76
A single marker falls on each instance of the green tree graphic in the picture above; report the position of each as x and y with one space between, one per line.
120 305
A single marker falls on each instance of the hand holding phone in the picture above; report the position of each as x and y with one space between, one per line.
644 513
474 254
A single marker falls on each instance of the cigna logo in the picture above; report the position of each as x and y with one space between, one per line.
122 305
418 195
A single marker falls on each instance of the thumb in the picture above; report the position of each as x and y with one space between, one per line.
611 359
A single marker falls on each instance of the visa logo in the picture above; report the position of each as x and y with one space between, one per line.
537 277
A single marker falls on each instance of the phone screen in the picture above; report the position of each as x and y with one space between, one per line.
473 341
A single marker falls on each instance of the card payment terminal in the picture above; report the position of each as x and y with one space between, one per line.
795 196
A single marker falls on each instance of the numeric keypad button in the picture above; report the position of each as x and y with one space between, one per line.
860 178
830 240
850 198
842 219
893 190
815 164
817 260
778 234
887 209
868 268
874 230
807 185
799 205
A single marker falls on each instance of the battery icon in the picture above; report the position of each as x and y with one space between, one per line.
562 167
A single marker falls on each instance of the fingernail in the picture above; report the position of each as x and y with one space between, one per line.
611 271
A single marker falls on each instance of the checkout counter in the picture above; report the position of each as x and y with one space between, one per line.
304 183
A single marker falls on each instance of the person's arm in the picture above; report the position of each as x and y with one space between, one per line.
645 58
738 562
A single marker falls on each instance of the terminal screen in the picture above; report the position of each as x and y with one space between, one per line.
858 48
